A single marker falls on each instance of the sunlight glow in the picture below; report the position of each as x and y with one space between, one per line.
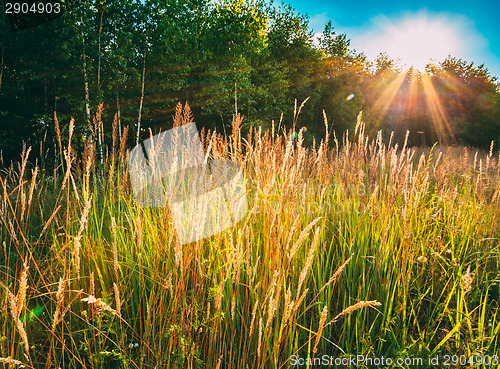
417 38
386 99
438 113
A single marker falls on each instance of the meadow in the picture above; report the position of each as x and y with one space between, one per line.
352 246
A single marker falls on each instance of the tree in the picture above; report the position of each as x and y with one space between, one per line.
333 45
470 95
236 37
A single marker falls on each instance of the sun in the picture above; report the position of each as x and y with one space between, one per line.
415 40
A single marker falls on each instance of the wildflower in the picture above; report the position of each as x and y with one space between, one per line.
422 259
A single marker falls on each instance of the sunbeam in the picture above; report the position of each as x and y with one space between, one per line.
383 103
437 111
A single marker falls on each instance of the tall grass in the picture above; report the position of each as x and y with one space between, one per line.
349 247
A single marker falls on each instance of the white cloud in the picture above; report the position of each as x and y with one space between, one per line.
318 22
418 36
316 38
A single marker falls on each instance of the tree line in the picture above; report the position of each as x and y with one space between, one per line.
225 57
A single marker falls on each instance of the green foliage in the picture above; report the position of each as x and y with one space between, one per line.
224 57
332 45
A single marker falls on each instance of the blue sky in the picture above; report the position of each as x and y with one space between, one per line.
469 29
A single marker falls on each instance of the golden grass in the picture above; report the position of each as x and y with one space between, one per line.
338 232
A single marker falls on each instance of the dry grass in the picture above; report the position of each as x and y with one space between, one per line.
330 232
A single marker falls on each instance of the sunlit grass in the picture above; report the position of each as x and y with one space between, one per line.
350 247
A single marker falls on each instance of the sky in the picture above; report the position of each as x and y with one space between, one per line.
414 31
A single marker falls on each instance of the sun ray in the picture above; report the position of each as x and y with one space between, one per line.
437 111
383 103
412 91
